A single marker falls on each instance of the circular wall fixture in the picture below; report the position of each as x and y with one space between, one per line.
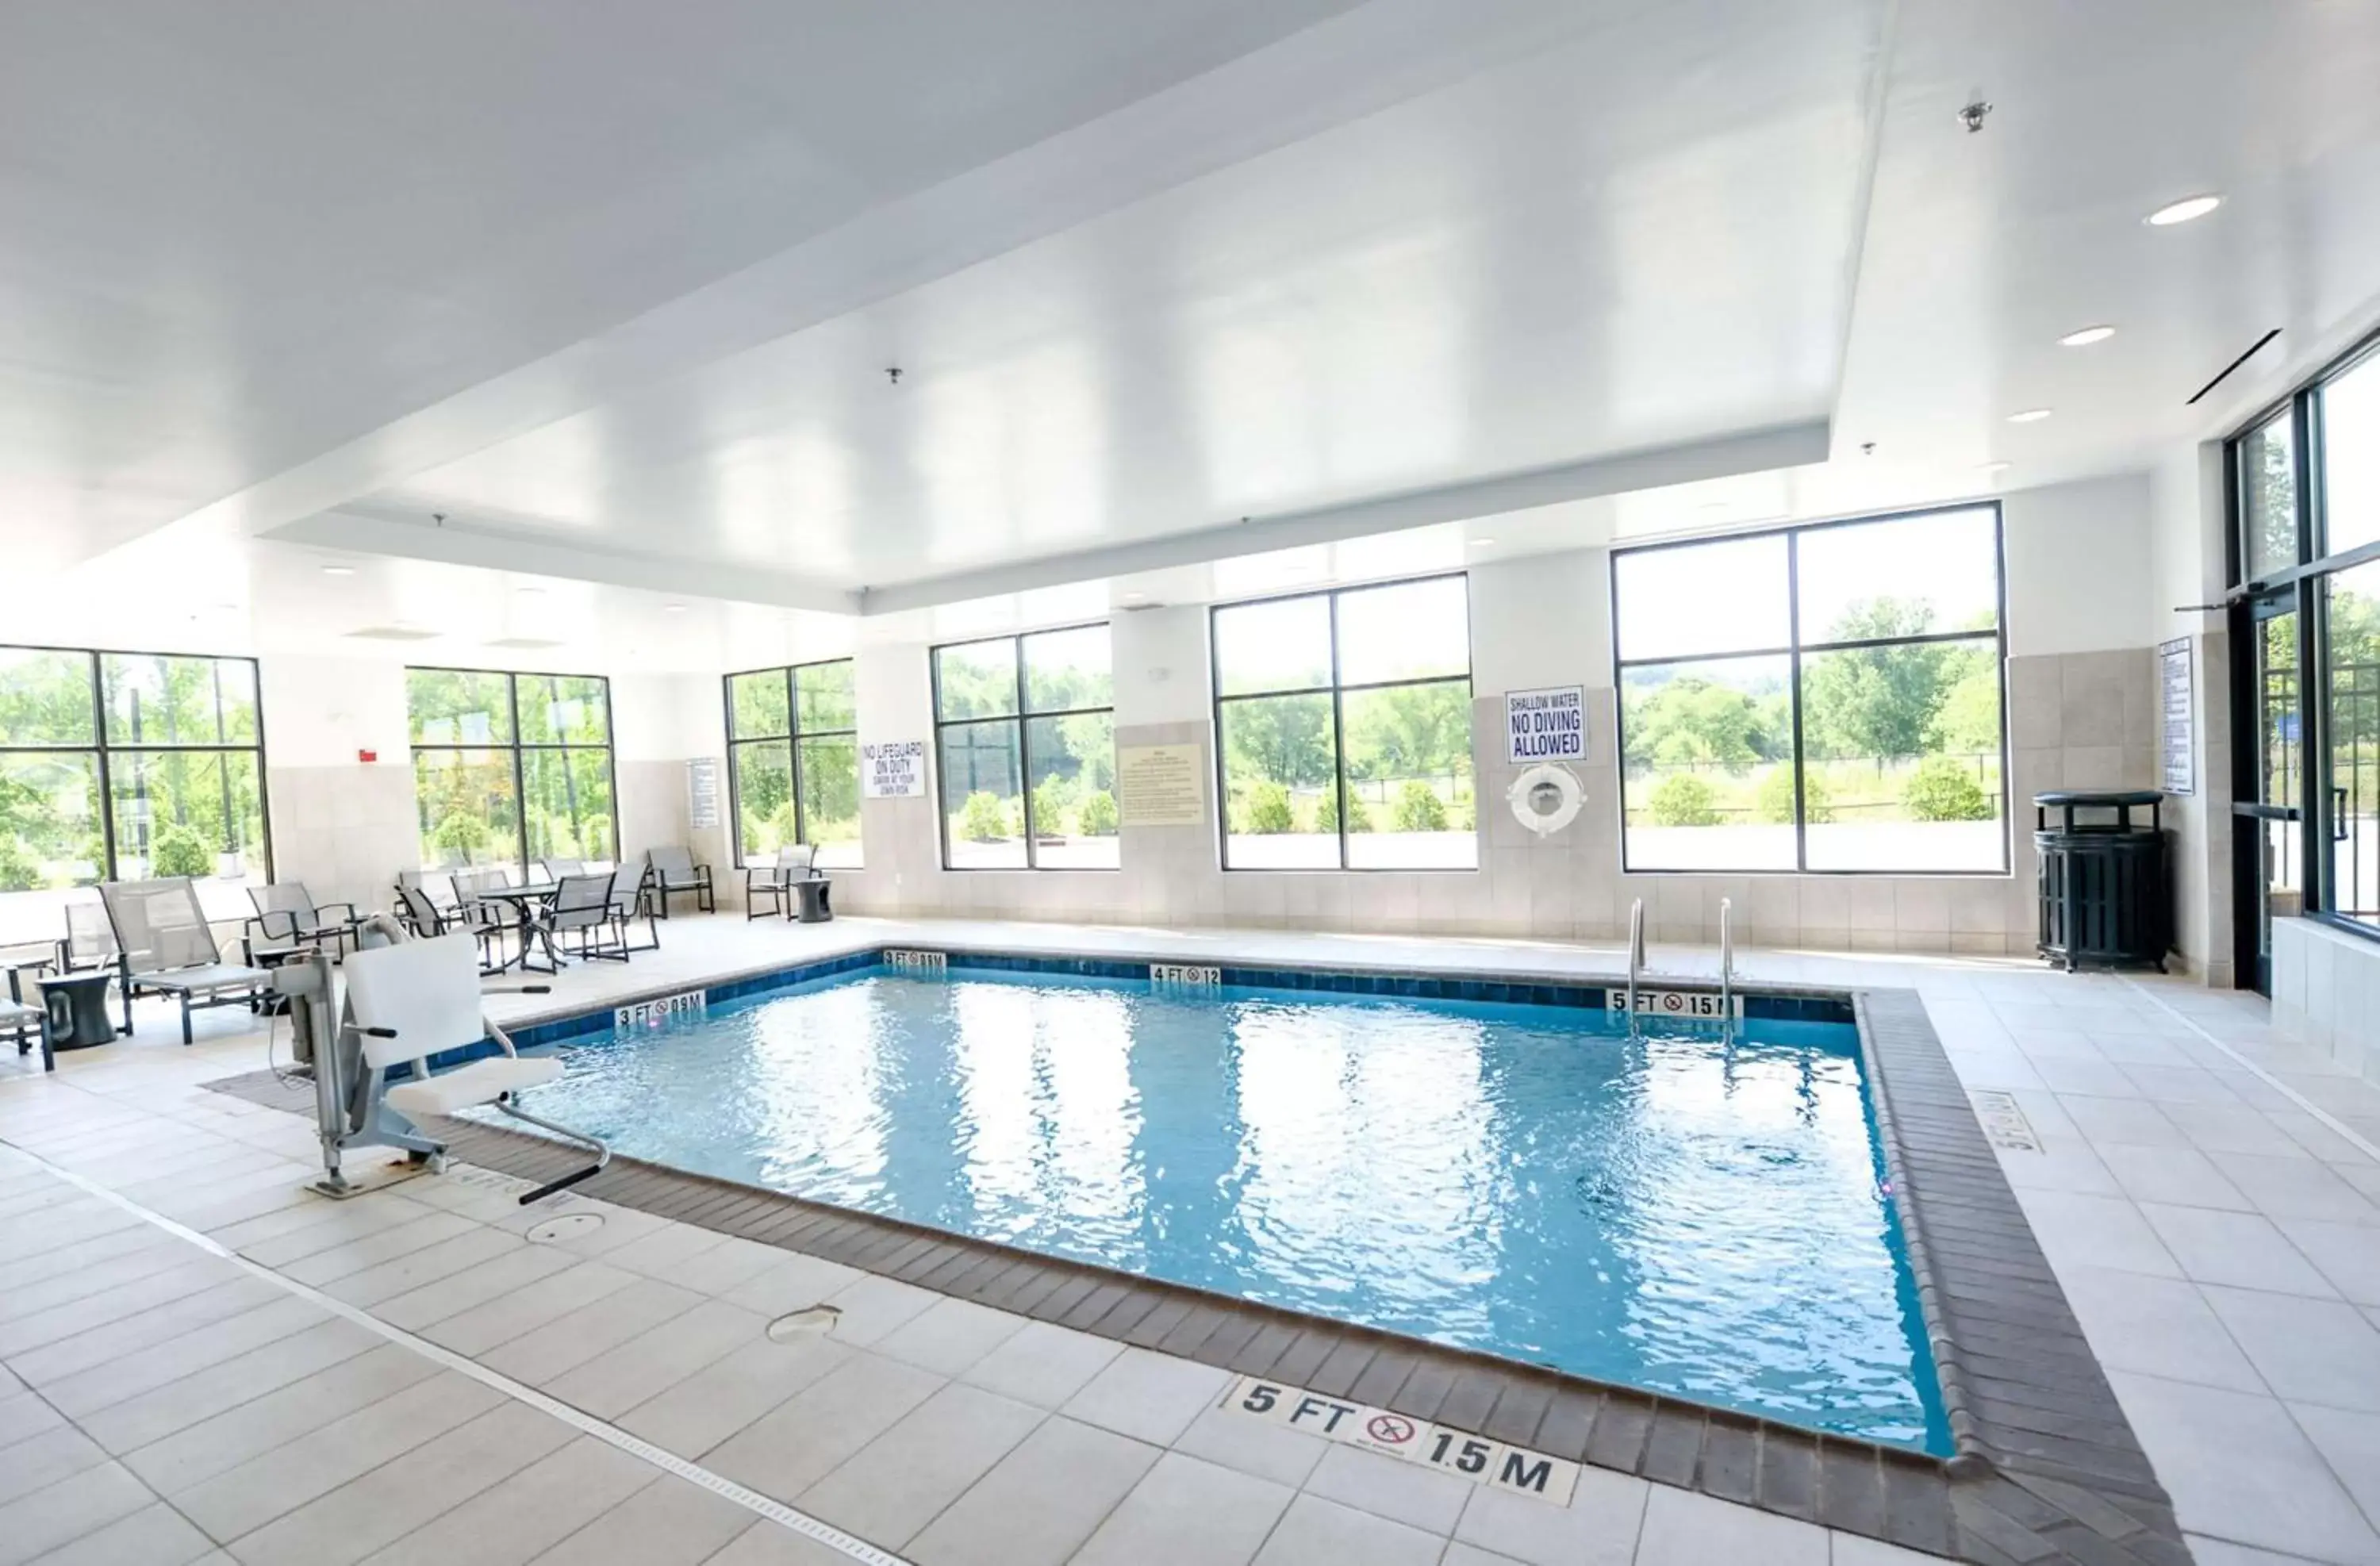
810 1321
569 1226
1546 798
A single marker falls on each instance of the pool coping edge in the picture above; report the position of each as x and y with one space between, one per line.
2012 1491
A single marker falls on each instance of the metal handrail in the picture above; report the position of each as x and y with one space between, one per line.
1635 953
1726 962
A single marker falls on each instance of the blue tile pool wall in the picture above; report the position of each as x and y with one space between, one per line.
1514 991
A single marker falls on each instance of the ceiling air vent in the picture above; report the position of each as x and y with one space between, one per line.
394 633
2253 349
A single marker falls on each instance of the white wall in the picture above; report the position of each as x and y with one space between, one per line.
342 825
2078 567
2187 567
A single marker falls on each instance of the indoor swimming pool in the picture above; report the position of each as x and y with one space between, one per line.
1675 1210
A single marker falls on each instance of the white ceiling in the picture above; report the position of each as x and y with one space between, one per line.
613 290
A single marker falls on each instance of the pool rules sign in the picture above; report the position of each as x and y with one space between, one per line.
1546 725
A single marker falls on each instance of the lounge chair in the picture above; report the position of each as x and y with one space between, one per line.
286 914
166 947
421 998
674 873
554 869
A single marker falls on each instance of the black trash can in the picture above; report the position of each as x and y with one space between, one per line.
2104 888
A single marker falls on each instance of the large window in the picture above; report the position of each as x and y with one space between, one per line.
1817 698
2306 549
1024 737
508 768
1343 729
793 761
121 766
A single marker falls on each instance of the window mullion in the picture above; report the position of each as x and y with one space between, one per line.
1338 733
1796 760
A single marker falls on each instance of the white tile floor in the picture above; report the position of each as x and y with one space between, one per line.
2219 1239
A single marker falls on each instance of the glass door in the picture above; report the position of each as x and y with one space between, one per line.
2269 818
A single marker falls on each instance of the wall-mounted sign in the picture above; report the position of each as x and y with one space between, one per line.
702 793
2178 695
1546 725
1161 785
895 769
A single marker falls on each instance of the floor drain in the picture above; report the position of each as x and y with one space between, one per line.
807 1323
569 1226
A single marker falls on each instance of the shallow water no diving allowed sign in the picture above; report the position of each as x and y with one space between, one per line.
1460 1452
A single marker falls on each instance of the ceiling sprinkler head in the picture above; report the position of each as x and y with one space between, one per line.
893 373
1868 448
1971 116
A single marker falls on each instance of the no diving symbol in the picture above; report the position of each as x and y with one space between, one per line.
1389 1430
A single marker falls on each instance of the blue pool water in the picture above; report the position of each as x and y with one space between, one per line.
1675 1212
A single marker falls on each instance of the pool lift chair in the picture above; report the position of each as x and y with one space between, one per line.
408 1000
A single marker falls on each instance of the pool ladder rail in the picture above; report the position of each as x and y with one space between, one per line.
1636 964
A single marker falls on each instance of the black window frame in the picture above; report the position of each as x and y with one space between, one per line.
1023 716
1337 689
792 740
1793 653
517 747
102 748
2299 590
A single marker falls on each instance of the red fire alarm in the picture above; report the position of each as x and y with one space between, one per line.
366 756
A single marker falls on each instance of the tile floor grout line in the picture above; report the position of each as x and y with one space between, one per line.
2357 1139
586 1424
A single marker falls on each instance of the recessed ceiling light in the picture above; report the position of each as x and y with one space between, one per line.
2030 416
1133 597
338 570
2084 338
1993 466
2183 211
1483 543
529 592
673 608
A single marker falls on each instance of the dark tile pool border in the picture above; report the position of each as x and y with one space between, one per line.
2046 1470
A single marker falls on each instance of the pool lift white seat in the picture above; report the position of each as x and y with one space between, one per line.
406 1001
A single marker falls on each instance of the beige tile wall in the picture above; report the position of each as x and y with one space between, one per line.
2080 720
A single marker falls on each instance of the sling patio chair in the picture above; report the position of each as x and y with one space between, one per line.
166 947
764 887
90 946
429 921
582 905
286 914
554 869
802 886
673 874
632 899
438 886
